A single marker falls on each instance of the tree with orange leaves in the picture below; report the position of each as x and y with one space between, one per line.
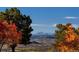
70 34
9 34
67 38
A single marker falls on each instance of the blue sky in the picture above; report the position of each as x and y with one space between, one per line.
45 19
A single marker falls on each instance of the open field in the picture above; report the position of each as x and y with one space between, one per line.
40 46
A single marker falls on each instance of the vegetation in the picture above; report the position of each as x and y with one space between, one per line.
23 22
15 29
9 34
67 38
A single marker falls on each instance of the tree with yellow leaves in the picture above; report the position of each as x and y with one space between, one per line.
67 38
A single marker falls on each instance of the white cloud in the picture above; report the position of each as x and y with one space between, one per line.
54 25
40 25
36 25
43 25
71 17
75 25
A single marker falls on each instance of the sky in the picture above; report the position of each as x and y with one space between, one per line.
44 19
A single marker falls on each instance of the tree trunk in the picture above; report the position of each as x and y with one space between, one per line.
13 49
1 46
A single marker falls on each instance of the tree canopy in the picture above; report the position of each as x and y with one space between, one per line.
9 34
67 38
23 22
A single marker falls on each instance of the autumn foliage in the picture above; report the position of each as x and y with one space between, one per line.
15 27
22 22
67 38
8 33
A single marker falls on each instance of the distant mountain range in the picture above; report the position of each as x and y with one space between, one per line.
42 35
